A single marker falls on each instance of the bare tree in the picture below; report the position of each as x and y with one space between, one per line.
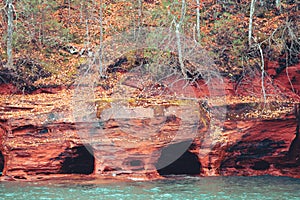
258 46
177 31
198 20
278 5
42 24
252 9
9 48
140 13
101 39
262 68
137 22
86 15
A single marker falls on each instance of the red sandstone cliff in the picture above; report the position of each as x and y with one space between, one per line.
39 138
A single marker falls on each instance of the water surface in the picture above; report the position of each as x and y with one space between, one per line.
262 187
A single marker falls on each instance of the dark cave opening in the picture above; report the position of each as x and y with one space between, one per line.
77 160
186 164
1 163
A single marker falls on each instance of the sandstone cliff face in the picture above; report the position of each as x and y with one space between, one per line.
39 138
262 149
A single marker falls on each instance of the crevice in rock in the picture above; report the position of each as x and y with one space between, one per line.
293 153
77 160
1 163
186 164
294 149
25 127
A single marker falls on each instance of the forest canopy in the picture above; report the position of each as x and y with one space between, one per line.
43 42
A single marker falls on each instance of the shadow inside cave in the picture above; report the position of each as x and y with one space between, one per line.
185 164
77 160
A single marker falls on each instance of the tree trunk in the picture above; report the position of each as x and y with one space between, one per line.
252 8
198 20
10 30
42 29
178 27
101 39
278 5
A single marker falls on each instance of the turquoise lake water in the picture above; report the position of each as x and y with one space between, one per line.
263 187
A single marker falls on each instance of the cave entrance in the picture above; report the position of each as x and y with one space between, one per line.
1 163
186 164
78 160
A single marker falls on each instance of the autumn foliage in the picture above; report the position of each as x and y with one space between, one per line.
58 36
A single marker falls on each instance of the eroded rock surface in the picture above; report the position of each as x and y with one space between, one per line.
39 139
